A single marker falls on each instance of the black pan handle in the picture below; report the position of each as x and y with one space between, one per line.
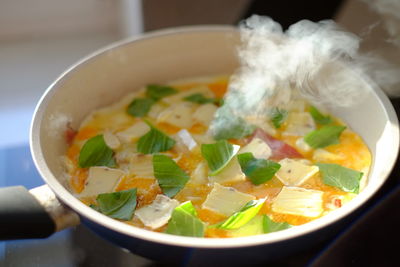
32 214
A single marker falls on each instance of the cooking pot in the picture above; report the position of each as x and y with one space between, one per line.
104 77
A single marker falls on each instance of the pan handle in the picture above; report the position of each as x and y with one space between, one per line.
32 214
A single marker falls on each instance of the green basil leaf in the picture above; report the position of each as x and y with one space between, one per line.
96 208
278 116
118 205
270 226
139 107
341 177
201 99
184 221
258 171
169 175
324 136
218 155
154 141
243 216
319 117
156 92
229 126
95 152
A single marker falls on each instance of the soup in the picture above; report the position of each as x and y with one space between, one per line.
150 161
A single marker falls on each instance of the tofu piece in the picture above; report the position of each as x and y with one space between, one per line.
158 212
258 148
298 201
184 138
302 145
134 132
225 200
179 115
156 109
294 172
200 174
111 140
231 173
101 180
204 114
299 124
323 156
142 166
176 98
203 138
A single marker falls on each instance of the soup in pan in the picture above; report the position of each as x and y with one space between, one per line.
150 161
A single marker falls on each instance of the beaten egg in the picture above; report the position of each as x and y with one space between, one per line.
151 161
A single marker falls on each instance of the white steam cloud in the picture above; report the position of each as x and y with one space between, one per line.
314 60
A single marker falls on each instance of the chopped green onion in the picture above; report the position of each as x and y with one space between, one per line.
118 205
278 116
139 107
156 92
184 221
154 141
169 175
341 177
319 117
324 136
201 99
253 227
257 170
270 226
218 155
243 216
95 152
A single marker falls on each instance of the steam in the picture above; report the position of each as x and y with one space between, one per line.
311 60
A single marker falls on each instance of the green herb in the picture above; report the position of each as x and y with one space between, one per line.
324 136
156 92
139 107
118 205
169 175
184 221
319 117
270 226
96 208
344 178
231 126
95 152
201 99
218 155
257 170
278 116
243 216
253 227
154 141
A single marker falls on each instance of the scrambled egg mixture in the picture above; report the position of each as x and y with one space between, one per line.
150 161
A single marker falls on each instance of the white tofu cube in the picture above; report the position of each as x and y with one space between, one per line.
258 148
226 200
179 115
111 140
204 114
101 180
232 172
298 201
134 132
299 124
294 172
158 212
